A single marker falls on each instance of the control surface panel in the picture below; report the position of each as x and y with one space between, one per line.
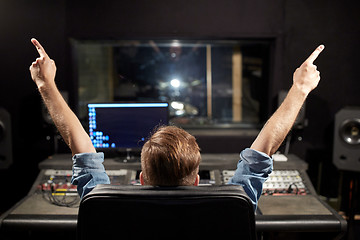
280 182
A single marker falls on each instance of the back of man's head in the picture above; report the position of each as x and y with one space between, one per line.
171 157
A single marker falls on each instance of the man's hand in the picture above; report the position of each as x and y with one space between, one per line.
306 77
43 70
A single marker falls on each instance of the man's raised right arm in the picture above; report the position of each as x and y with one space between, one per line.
305 79
43 71
254 167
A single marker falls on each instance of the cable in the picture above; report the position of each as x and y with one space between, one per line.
290 190
59 198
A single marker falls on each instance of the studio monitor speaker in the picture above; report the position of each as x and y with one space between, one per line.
5 139
346 150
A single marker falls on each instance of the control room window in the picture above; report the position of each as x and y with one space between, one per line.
207 83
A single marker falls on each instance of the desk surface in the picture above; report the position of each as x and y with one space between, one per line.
279 213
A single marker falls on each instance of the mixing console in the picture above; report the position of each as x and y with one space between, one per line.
289 203
280 182
56 187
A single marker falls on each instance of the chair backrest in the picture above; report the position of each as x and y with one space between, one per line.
147 212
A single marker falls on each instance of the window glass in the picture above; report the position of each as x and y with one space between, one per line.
207 83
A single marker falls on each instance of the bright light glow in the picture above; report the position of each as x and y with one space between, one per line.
177 105
175 43
179 112
175 83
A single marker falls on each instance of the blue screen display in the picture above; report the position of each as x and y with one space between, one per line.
124 125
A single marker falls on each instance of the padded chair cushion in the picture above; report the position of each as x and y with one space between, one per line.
140 212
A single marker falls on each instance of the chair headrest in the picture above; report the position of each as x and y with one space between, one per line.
106 190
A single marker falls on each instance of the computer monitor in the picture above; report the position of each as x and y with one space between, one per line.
125 126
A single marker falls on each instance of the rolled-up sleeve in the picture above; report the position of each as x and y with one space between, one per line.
88 171
252 171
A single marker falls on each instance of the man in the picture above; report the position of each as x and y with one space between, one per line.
171 156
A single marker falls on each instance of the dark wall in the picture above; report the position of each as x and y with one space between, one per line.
186 19
19 21
337 25
296 28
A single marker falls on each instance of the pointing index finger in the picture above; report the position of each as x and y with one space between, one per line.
315 54
39 48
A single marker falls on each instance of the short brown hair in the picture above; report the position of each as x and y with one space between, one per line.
170 157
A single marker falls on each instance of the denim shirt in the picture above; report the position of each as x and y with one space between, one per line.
88 171
252 171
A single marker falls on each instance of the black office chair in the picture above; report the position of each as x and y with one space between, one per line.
146 212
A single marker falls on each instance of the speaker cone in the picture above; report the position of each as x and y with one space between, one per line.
350 131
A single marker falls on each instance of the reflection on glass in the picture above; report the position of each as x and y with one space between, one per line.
206 82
